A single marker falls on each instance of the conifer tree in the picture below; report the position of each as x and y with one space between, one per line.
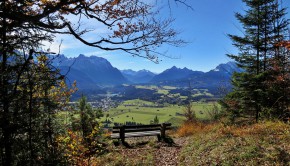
264 26
155 120
87 116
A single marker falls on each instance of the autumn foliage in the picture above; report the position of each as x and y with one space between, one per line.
285 44
77 151
263 143
191 128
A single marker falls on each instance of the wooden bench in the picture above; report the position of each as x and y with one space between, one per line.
122 132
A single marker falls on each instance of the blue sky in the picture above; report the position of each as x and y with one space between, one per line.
205 28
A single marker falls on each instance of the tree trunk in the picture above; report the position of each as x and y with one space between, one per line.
7 134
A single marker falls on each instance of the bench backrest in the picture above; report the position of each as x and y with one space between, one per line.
139 128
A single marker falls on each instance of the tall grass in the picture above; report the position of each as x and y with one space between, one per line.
264 143
191 128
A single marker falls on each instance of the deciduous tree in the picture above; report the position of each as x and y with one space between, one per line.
27 78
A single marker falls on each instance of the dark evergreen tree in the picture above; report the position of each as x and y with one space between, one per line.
264 26
87 125
34 93
156 120
87 117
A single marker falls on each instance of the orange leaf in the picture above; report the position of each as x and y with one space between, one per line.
115 2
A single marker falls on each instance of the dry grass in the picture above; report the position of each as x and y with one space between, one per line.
188 129
258 129
265 143
262 128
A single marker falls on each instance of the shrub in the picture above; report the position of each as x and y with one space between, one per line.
214 113
189 113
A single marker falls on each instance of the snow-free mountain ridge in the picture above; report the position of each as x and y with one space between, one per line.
141 76
89 71
92 72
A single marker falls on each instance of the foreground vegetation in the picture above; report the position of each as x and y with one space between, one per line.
264 143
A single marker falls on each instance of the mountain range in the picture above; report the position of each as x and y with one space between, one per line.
197 79
141 76
89 72
94 72
174 73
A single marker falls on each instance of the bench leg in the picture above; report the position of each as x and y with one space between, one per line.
123 140
122 134
163 128
159 137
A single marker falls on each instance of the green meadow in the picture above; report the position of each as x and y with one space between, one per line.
159 89
164 90
140 111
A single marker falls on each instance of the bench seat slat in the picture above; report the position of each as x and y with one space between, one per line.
137 134
140 134
137 130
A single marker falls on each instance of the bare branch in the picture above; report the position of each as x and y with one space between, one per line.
132 24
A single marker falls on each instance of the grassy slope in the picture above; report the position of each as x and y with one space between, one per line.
260 144
265 143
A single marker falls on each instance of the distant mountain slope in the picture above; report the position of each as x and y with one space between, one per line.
82 79
228 68
174 73
141 76
212 80
89 71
